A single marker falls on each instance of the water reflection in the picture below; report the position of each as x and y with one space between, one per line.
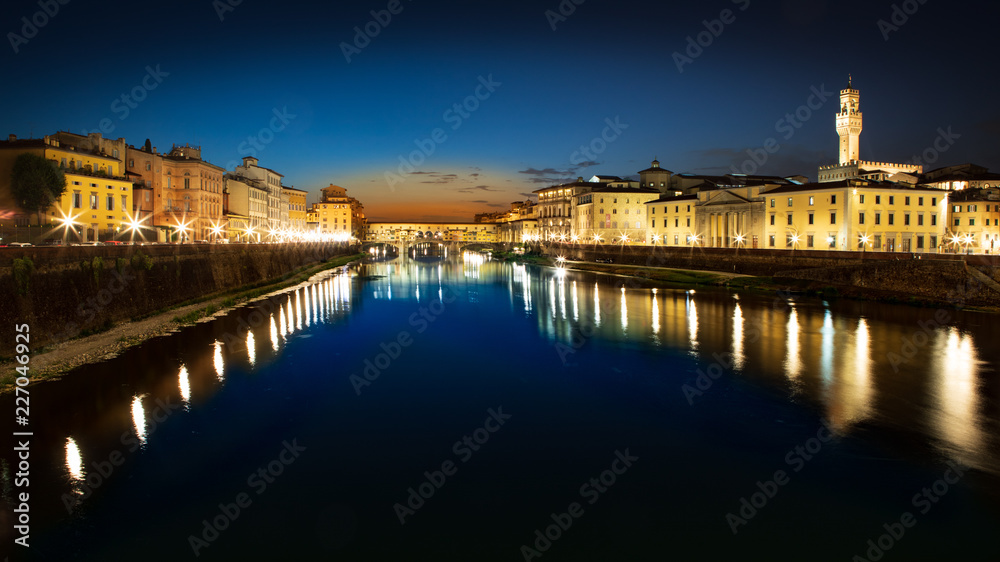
184 383
74 460
738 357
955 389
836 357
792 363
139 419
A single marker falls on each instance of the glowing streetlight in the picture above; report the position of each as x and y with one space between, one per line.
216 230
182 228
574 238
68 222
597 239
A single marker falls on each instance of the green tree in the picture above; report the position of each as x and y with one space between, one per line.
36 183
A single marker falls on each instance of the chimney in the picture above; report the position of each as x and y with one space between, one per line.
11 138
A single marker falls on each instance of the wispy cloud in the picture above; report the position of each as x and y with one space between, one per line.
476 188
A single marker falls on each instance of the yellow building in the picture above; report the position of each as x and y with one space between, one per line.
296 208
98 198
855 214
672 221
611 214
338 215
973 221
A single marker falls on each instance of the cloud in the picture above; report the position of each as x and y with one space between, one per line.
528 194
545 172
789 160
588 164
437 177
476 188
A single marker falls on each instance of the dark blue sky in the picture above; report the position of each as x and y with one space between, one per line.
553 91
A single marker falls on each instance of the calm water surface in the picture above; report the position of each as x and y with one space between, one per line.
651 423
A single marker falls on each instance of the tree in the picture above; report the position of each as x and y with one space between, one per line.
36 183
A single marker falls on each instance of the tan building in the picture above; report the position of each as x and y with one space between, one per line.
191 195
269 180
556 206
248 198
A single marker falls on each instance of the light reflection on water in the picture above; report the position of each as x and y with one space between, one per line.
836 359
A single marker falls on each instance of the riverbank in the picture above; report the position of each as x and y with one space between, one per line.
53 361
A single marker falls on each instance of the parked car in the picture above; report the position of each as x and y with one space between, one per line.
88 244
113 243
19 244
54 242
604 260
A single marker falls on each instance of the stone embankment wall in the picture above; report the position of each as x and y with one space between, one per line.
63 292
936 277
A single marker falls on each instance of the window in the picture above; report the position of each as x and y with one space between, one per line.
832 240
934 221
878 218
772 205
920 201
811 198
677 208
789 201
664 223
148 166
920 242
892 218
770 239
111 203
677 222
861 218
877 244
689 221
62 163
892 200
614 224
689 208
77 200
654 210
933 200
956 209
833 199
810 218
906 200
789 241
809 241
878 199
861 198
906 220
789 219
833 218
772 220
958 221
933 241
93 200
972 222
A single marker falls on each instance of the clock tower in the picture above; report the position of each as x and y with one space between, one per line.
849 123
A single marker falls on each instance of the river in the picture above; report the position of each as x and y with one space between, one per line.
459 408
